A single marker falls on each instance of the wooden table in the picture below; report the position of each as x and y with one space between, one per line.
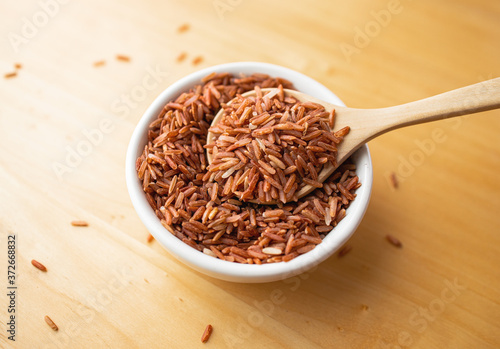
65 124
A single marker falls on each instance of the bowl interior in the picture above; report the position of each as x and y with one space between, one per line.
234 271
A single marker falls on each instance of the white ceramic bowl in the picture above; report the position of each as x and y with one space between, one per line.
229 271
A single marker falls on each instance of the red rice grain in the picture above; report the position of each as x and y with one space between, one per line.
51 323
394 180
183 28
197 60
393 241
38 265
207 333
79 224
181 57
123 58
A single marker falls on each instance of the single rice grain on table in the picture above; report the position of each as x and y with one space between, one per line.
38 265
51 323
183 28
202 208
394 241
79 223
123 58
10 75
207 333
181 57
197 60
393 179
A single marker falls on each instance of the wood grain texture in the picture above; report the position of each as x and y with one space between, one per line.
105 286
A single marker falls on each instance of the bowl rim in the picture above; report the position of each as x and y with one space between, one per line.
213 266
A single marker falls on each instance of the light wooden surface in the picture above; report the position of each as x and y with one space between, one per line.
107 287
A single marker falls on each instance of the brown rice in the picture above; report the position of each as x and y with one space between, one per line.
204 212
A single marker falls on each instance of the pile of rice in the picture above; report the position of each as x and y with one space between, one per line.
203 208
267 147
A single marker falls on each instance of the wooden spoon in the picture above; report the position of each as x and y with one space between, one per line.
367 124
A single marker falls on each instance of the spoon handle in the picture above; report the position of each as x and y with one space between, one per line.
367 124
466 100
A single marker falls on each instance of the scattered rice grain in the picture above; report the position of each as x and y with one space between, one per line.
51 323
79 224
393 241
181 57
38 265
123 58
197 60
183 28
393 179
207 333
